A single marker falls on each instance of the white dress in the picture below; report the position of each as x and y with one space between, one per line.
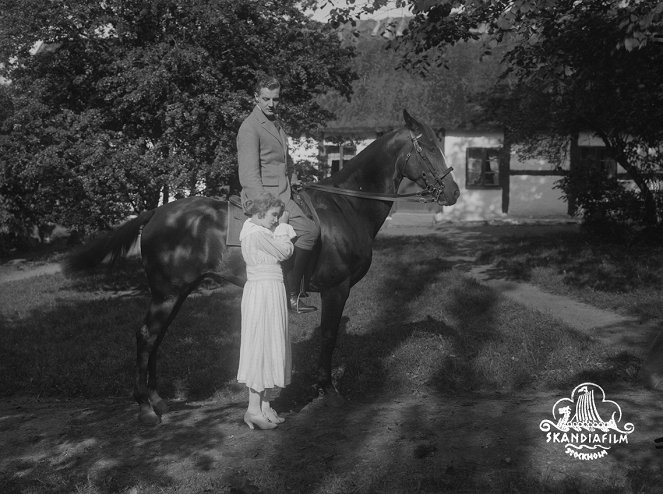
265 360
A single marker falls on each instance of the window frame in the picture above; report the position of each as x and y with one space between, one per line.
339 152
598 156
486 154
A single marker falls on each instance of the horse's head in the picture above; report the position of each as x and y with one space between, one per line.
424 163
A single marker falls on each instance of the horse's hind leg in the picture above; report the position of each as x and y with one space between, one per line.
159 315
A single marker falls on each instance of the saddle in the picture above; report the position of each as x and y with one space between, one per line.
304 202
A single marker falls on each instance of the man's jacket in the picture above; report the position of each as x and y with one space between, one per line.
262 152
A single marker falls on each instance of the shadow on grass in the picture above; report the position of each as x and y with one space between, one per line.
392 347
101 448
75 354
86 348
401 355
583 261
617 370
126 275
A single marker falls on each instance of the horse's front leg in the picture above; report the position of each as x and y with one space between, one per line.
333 303
158 404
652 368
148 338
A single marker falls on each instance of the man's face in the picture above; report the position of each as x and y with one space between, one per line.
268 101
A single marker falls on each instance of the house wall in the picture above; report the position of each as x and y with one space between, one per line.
534 196
473 204
529 191
529 196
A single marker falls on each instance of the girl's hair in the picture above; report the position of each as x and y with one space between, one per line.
261 204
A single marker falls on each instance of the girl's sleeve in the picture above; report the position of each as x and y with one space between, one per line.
278 246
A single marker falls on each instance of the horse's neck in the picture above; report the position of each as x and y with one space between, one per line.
373 171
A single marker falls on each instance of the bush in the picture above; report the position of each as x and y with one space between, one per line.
607 206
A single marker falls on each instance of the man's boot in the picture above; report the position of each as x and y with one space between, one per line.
299 262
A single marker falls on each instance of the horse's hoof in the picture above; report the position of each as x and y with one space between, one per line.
148 417
160 407
330 395
334 399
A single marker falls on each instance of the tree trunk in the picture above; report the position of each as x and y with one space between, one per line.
616 146
165 194
574 158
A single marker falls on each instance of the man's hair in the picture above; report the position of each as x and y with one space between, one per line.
262 204
267 82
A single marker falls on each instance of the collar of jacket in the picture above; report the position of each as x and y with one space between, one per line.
269 126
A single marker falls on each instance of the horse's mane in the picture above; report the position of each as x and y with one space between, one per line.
355 163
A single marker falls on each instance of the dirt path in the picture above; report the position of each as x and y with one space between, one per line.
203 447
610 328
20 269
475 440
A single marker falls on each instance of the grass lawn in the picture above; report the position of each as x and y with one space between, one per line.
625 277
414 321
414 327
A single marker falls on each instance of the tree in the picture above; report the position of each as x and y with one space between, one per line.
594 78
443 98
593 65
126 102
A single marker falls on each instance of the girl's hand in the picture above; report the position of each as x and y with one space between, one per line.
285 217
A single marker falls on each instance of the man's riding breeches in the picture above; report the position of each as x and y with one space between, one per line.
307 230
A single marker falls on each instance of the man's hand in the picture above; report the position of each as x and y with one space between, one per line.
295 183
285 217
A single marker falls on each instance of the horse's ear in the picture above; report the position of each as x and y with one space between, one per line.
411 123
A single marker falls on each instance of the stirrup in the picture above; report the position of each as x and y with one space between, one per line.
296 306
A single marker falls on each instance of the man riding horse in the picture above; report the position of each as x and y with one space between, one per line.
262 152
184 242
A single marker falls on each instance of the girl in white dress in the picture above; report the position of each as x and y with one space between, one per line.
264 359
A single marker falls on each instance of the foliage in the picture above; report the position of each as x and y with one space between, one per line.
444 97
304 156
444 22
605 204
126 103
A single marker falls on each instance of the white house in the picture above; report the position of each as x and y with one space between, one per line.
494 183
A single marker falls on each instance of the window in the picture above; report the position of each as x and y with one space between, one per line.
483 168
597 158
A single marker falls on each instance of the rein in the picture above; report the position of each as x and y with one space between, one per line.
431 190
365 195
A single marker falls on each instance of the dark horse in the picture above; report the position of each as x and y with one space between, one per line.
184 242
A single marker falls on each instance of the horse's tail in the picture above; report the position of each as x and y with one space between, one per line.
115 244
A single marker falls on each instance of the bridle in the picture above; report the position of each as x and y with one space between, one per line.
435 188
431 192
